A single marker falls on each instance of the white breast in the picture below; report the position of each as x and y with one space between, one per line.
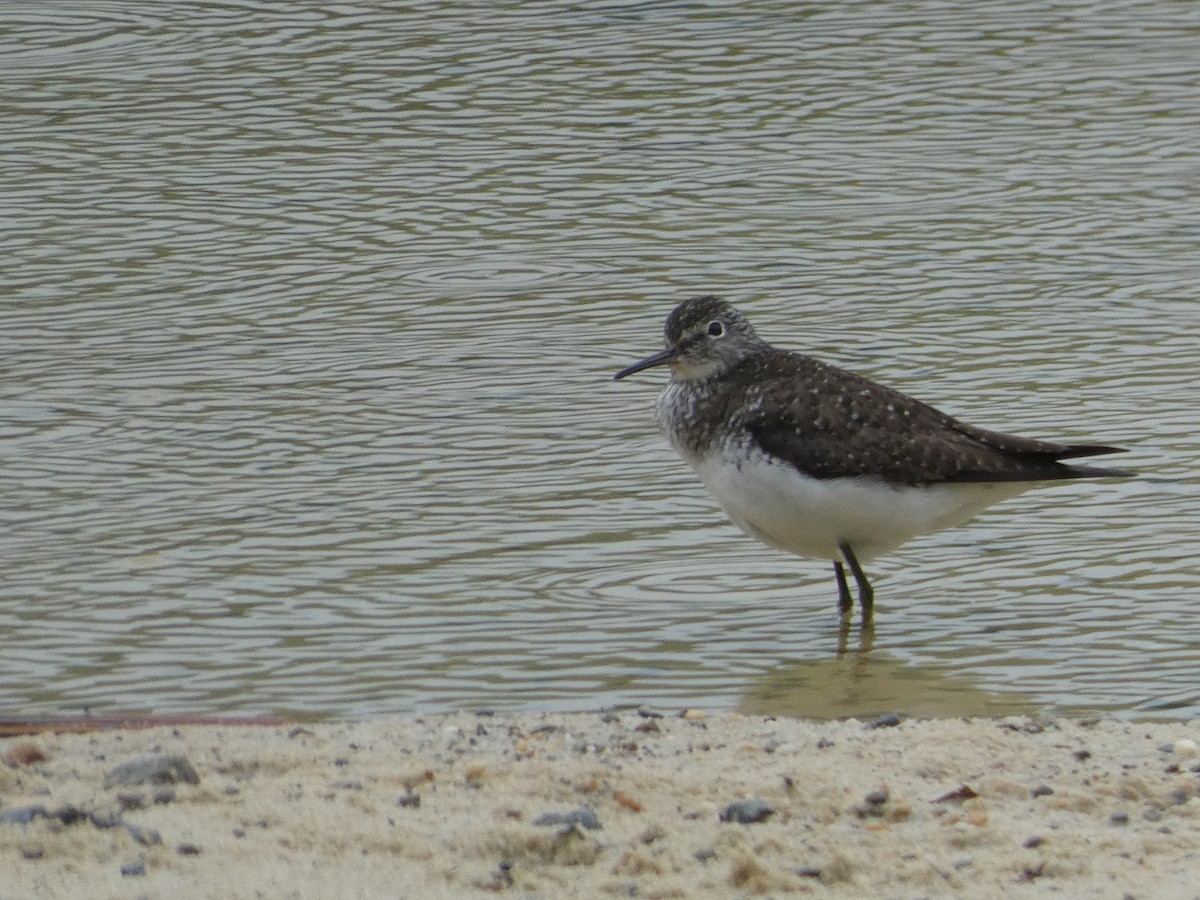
775 503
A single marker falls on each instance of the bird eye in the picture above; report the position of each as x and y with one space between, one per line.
716 329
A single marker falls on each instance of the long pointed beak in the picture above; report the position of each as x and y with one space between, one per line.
662 356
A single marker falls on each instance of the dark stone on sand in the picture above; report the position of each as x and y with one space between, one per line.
153 768
747 812
23 815
584 816
137 867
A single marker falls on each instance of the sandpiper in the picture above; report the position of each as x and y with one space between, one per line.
822 462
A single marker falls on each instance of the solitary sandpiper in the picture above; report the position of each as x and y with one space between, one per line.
822 462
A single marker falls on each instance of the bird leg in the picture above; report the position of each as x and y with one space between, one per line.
866 594
845 601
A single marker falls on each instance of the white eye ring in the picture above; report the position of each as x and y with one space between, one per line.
716 328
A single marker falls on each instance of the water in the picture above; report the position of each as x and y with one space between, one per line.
308 315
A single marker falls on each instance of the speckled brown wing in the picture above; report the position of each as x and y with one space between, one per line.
830 423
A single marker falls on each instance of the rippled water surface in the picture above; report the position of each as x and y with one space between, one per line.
309 312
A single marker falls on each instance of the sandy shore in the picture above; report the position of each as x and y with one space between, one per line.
467 805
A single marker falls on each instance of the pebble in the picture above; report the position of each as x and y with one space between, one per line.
137 867
26 753
877 797
746 812
960 794
130 801
583 816
23 815
1184 748
153 768
1119 818
887 720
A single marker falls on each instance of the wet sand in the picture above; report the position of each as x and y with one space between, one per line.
605 805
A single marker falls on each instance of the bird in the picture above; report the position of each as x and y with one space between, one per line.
825 463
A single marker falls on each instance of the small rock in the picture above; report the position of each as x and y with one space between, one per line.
32 853
27 753
137 867
887 720
164 795
746 812
153 768
630 803
23 815
104 822
877 797
583 816
1029 873
652 834
1152 814
130 801
187 850
1083 755
1184 748
1042 790
824 743
809 871
958 795
1032 843
70 814
1119 818
878 804
410 800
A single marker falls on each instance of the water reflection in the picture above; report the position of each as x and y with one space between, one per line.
307 318
868 685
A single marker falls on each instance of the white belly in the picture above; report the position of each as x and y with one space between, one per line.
810 516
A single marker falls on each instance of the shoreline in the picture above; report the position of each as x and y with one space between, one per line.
687 805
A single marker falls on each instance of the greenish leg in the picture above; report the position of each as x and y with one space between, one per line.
866 593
